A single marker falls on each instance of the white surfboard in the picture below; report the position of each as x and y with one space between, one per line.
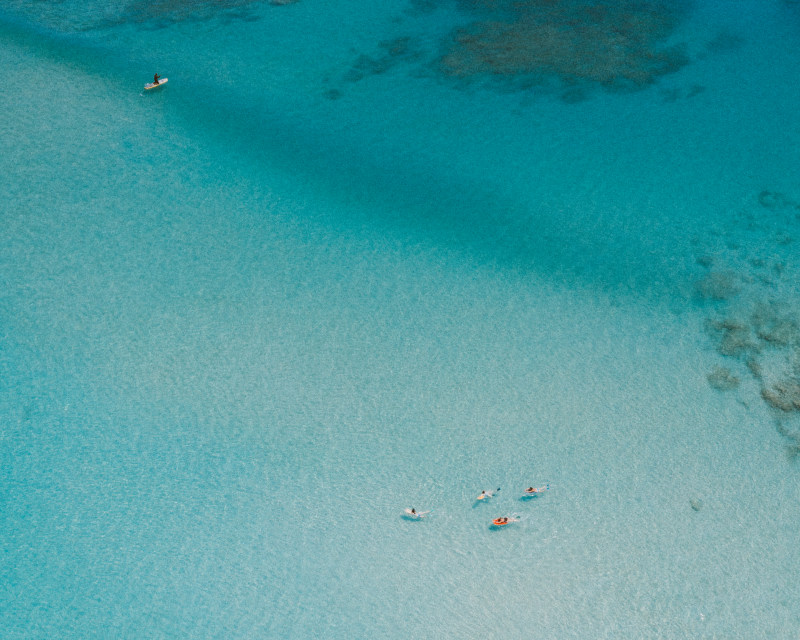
153 85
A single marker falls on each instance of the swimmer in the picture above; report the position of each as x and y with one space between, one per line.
485 495
501 522
414 514
533 491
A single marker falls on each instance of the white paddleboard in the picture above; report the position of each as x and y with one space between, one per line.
152 85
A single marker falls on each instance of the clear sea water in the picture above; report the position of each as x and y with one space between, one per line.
250 317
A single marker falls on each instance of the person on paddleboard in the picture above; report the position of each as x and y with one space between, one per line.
156 78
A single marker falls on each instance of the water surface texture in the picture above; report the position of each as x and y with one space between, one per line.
357 258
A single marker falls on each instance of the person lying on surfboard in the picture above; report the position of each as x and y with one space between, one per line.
485 495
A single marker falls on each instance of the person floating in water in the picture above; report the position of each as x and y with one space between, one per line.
156 78
485 495
502 522
532 491
414 514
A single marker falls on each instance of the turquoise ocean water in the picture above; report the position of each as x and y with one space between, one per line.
355 258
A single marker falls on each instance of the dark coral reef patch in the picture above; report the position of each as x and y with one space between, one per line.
566 47
783 395
722 379
718 285
613 43
165 12
776 200
390 54
754 289
735 337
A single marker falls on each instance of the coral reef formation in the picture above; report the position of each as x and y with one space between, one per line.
758 307
391 53
718 285
622 43
171 11
735 337
722 379
783 395
564 46
775 200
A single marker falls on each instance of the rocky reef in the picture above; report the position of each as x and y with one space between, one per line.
722 379
614 43
718 285
390 53
753 291
166 12
783 395
567 48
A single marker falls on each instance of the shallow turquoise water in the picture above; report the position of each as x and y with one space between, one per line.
248 319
